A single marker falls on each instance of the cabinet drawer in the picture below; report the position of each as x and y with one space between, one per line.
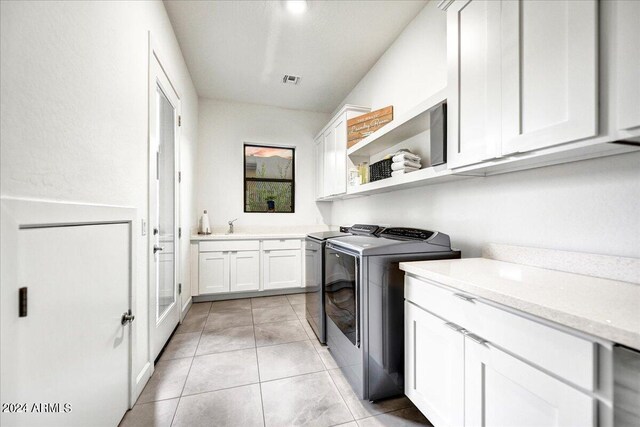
269 245
563 354
438 300
231 245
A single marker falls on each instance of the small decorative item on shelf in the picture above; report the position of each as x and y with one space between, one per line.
205 226
364 172
380 170
354 177
362 126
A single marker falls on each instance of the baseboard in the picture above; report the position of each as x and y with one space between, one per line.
141 381
254 294
185 308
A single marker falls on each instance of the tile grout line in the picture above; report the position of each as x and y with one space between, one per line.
342 397
264 421
190 366
232 387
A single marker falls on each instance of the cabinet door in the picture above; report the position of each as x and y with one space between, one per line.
501 390
473 43
549 73
627 52
319 152
434 366
340 140
282 269
245 271
329 162
214 272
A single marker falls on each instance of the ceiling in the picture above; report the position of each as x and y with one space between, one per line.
240 50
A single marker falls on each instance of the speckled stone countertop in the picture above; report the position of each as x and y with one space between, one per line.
603 308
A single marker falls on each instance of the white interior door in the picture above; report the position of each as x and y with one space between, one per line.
164 110
68 360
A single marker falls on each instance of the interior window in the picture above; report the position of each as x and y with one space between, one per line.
269 179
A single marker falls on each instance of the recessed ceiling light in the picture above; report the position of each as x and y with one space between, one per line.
296 7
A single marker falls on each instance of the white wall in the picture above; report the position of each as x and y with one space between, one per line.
223 129
588 206
74 111
413 68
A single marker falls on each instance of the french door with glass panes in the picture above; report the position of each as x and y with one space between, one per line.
164 112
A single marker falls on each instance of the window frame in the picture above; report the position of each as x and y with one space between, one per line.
292 180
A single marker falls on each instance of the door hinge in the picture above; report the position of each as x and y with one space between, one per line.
22 302
179 232
179 177
179 288
179 120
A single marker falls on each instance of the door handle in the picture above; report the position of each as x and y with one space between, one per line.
477 339
157 248
127 317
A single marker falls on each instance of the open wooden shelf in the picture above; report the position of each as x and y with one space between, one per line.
409 124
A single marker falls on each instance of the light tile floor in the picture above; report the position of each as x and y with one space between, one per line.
255 362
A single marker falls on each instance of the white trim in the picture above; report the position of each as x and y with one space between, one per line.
185 308
140 381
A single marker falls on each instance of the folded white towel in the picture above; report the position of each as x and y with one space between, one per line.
403 171
405 155
396 166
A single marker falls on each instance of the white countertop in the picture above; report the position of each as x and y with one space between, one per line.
258 233
603 308
247 236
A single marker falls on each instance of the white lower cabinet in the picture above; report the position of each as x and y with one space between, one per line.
214 272
228 266
282 269
458 378
502 390
245 271
434 367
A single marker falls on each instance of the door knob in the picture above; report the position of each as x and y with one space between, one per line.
127 317
157 248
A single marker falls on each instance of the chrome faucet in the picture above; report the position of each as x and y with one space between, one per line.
231 226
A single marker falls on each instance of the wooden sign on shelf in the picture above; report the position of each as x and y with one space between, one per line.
362 126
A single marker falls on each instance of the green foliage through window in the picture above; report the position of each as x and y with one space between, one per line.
269 179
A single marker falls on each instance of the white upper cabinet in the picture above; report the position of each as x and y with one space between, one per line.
319 153
340 141
331 146
473 43
549 73
329 162
523 75
626 26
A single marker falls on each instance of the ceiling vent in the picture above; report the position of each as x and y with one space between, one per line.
288 79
